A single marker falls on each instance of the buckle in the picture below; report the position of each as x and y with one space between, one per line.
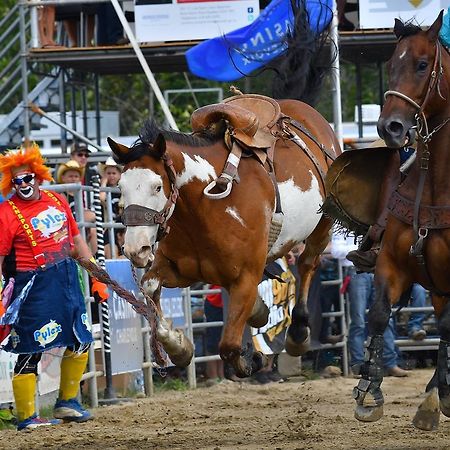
40 259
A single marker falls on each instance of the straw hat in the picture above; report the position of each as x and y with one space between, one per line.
108 163
69 165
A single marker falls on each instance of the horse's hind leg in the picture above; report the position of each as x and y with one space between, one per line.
443 362
297 337
242 298
427 415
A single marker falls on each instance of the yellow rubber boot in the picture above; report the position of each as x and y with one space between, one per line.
72 369
24 388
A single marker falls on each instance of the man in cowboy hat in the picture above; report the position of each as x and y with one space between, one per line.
39 234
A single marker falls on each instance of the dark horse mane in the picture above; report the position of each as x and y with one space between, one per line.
149 134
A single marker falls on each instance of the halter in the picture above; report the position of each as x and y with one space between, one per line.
425 137
137 215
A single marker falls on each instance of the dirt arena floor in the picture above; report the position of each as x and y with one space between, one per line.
298 414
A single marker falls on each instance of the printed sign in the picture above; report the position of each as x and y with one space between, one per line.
381 13
175 20
280 299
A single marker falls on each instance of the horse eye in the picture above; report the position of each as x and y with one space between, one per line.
158 189
422 65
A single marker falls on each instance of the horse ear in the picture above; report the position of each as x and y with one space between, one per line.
399 27
433 31
159 146
118 149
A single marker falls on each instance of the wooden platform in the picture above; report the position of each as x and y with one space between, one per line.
357 47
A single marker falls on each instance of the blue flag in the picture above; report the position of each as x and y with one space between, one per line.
230 57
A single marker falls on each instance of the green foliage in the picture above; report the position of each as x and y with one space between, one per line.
171 384
7 419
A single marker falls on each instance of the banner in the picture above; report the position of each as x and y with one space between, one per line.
381 13
280 299
233 55
181 20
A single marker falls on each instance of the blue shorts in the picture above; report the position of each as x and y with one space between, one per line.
53 313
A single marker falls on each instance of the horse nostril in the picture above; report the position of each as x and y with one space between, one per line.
395 128
144 251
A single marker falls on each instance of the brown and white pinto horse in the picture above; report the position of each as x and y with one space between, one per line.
416 243
225 241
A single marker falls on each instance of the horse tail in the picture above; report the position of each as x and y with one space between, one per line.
301 70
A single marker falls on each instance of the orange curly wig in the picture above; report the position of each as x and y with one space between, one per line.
28 156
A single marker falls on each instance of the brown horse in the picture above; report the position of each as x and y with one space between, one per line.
227 241
416 243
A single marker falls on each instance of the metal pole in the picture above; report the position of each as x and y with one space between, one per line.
336 77
23 69
144 64
98 130
104 308
39 111
192 380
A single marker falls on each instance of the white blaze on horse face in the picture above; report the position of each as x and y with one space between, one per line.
195 167
402 55
141 187
300 208
233 212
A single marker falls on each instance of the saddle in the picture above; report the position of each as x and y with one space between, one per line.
252 125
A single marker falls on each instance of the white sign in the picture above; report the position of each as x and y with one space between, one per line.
382 13
180 20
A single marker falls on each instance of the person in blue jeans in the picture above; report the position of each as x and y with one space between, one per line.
360 296
415 322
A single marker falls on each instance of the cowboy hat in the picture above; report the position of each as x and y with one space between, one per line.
108 163
69 165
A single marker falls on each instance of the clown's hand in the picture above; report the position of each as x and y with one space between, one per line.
99 291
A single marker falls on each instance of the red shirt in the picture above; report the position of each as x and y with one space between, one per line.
215 299
53 227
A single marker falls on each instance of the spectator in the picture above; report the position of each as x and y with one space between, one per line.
110 30
41 266
213 313
119 234
110 173
46 25
360 298
415 322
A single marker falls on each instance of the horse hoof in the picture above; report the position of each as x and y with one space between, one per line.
294 348
260 314
427 415
368 413
184 358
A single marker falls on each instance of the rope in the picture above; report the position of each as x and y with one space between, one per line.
148 310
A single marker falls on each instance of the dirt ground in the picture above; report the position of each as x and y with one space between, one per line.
307 415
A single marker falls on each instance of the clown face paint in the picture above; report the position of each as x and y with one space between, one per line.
26 185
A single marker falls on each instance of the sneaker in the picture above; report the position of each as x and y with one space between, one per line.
418 335
71 411
34 421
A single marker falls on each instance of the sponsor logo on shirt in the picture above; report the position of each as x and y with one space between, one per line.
48 333
49 221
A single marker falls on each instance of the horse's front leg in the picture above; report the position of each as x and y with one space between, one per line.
442 310
297 336
179 348
389 285
243 294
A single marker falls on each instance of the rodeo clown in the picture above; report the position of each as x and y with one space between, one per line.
46 309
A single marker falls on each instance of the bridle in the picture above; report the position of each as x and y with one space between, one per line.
424 136
434 82
137 215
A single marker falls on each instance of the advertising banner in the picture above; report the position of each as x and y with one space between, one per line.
280 299
181 20
381 13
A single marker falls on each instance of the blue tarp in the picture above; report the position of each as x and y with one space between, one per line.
231 56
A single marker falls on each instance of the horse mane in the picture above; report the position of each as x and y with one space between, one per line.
150 132
301 70
409 29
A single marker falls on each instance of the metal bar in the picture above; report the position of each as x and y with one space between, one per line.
144 64
188 315
39 111
23 54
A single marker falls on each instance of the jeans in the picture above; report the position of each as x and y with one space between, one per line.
361 296
418 298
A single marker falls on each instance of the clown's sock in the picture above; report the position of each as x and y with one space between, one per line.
24 388
72 369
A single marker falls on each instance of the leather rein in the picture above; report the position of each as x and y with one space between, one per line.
424 137
137 215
